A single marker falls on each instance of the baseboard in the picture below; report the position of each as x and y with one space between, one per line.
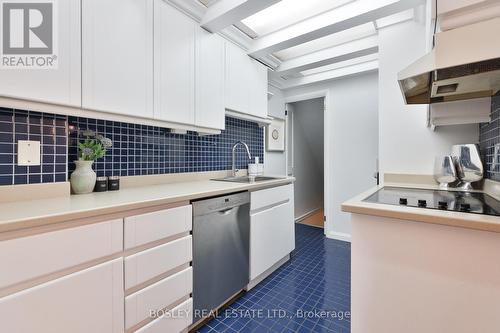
341 236
268 272
308 214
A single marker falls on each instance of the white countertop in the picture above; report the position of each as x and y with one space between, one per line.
456 219
26 214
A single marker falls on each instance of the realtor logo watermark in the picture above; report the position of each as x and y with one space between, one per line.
29 34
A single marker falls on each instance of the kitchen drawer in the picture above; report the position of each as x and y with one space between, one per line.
145 228
148 264
180 319
270 197
157 296
29 257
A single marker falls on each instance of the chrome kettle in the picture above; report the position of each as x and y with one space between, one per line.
468 164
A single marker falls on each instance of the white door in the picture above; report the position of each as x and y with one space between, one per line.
117 56
63 84
174 49
210 70
91 300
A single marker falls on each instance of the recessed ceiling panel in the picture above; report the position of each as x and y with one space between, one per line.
288 12
340 64
338 38
396 18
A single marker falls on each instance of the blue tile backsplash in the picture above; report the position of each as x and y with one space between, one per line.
137 149
50 130
148 150
489 137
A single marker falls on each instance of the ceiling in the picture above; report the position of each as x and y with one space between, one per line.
305 42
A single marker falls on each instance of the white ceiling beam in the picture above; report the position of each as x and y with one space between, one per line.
345 17
331 75
224 13
343 52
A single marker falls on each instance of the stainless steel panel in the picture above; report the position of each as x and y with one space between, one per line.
221 250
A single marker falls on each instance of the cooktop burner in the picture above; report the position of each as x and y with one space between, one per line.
467 202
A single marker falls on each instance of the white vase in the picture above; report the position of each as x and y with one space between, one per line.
83 178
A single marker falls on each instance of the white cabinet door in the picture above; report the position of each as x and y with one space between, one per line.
117 56
91 300
237 79
272 228
63 84
210 67
258 92
246 83
174 48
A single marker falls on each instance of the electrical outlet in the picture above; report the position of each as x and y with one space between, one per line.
28 152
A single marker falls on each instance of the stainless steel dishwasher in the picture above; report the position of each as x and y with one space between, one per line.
221 248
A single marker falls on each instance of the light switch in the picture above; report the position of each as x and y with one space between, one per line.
28 152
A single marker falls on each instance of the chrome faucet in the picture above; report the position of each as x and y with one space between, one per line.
234 155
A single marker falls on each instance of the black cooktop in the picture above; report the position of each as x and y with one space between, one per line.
467 202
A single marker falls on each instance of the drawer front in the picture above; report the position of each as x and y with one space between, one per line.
148 264
272 237
142 229
180 319
270 197
90 300
157 296
29 257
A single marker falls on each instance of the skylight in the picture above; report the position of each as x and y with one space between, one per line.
342 37
287 12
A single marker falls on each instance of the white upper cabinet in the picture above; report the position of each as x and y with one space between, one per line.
246 83
117 56
174 51
59 85
209 90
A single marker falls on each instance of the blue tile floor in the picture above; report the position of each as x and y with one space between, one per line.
311 293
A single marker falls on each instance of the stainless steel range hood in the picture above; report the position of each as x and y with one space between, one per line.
464 64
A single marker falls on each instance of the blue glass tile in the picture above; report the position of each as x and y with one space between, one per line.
60 177
20 179
6 148
6 158
5 180
6 169
6 127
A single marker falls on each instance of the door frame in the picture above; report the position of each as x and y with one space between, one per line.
327 115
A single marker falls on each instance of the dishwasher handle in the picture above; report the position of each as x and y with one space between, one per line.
227 211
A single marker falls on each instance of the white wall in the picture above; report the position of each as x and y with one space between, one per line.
275 162
406 144
308 152
352 134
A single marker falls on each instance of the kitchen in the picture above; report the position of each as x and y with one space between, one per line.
145 175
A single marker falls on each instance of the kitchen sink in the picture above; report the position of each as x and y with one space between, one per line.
247 179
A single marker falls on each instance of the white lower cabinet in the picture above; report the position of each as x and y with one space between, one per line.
157 296
90 300
148 264
174 321
272 228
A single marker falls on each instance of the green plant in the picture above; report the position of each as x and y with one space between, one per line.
93 147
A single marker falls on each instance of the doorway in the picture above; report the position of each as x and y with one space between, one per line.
306 159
